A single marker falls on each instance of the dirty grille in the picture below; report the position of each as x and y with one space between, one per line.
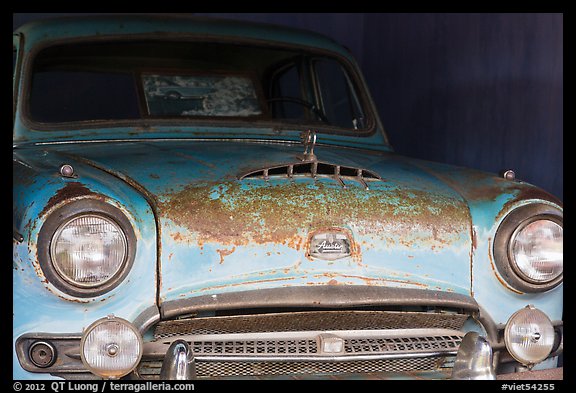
360 346
151 369
250 347
403 344
315 169
318 320
292 344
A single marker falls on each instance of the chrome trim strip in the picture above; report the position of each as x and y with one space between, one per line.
193 139
313 334
341 358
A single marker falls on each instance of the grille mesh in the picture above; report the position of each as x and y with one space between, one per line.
151 369
316 320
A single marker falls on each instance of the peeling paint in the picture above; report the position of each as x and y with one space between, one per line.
227 286
70 191
495 272
233 213
372 281
224 253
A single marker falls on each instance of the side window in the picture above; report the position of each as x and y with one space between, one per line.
339 100
285 94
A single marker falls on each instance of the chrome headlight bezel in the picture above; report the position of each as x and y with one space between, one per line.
67 213
503 252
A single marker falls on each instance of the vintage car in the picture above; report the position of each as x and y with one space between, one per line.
266 230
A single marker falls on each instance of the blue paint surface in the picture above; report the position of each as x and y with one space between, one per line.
402 233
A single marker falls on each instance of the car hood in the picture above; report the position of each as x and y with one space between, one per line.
221 234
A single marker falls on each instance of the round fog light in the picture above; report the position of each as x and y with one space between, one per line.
111 347
529 335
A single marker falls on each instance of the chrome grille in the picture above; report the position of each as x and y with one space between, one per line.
399 345
255 347
403 344
315 169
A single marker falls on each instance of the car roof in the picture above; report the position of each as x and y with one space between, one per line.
75 27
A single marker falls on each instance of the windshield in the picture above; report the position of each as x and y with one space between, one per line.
192 81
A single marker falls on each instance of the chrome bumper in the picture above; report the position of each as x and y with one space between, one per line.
179 362
474 359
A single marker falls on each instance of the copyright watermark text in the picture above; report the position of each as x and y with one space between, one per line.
100 387
529 386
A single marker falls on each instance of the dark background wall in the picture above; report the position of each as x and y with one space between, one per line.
477 90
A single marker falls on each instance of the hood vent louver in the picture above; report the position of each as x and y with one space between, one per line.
315 169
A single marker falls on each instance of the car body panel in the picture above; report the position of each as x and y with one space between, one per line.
208 229
211 223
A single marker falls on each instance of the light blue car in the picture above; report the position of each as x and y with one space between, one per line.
269 231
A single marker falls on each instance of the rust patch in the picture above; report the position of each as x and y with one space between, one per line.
368 280
191 158
224 253
219 287
481 186
73 300
495 271
177 236
528 192
477 185
69 191
237 214
474 236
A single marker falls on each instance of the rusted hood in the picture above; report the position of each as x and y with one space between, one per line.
219 233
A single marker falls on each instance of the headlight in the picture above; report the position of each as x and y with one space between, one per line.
536 250
529 336
86 248
111 347
528 248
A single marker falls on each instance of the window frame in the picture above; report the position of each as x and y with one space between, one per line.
351 87
351 69
17 43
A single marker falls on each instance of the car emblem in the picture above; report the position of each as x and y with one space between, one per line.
330 245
